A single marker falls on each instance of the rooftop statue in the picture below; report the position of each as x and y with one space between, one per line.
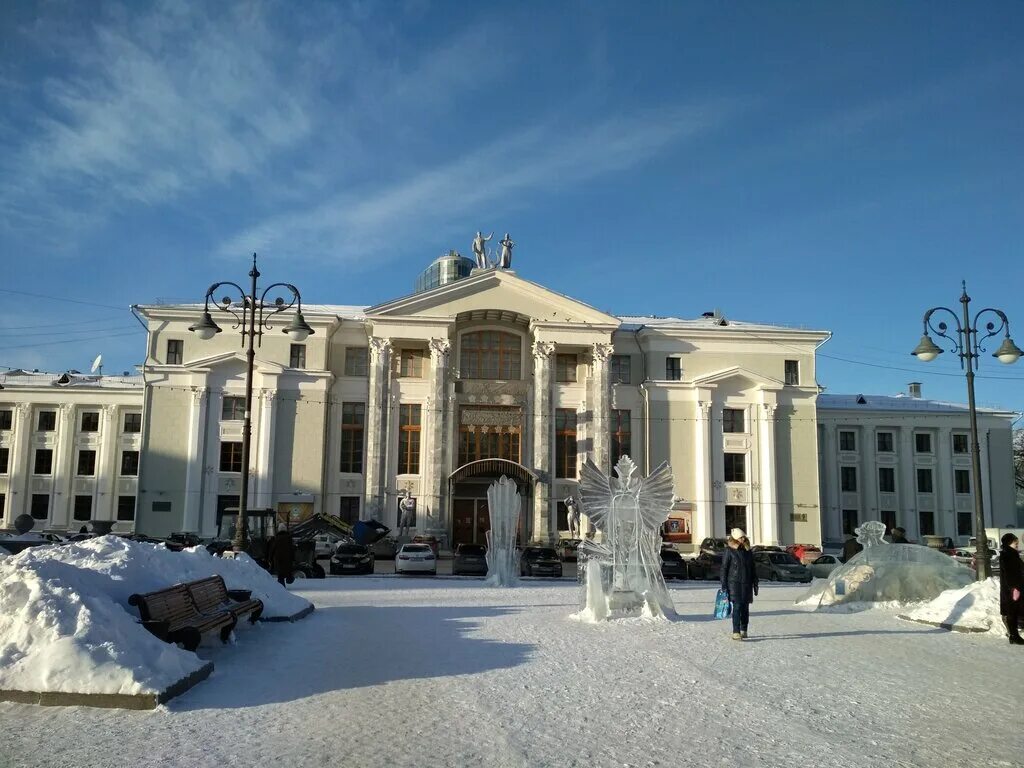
480 249
505 262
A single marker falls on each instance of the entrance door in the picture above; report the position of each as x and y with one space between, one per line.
483 522
470 521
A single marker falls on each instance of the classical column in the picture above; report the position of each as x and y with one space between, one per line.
105 500
908 516
63 467
702 471
942 484
196 460
262 493
769 496
377 402
601 407
435 480
542 430
831 517
19 467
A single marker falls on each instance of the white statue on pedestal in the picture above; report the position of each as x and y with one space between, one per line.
573 516
406 513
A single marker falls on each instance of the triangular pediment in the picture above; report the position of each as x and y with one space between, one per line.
738 372
228 358
494 290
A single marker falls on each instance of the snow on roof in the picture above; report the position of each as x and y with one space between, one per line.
710 320
69 379
901 402
346 311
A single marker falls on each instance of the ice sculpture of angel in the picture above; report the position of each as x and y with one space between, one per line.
623 572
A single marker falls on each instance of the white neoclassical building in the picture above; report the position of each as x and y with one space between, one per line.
69 448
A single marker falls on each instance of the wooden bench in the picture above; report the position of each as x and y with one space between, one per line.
211 595
171 615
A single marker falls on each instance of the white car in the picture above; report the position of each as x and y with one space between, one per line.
963 555
416 558
822 567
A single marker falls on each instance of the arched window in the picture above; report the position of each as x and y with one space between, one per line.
490 355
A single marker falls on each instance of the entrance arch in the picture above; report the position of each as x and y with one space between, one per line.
467 487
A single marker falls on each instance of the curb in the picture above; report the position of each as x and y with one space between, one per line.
294 617
942 625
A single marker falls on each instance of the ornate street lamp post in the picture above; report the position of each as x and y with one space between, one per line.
967 345
251 316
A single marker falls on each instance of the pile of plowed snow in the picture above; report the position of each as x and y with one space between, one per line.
65 622
976 606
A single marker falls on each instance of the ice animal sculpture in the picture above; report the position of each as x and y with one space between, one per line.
621 575
884 572
504 505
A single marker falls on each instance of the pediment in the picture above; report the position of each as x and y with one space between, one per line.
494 291
738 372
229 359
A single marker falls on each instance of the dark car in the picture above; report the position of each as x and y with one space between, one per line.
712 545
706 566
780 566
672 564
469 560
567 548
351 558
766 548
540 561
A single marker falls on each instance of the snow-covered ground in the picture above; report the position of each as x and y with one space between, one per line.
446 672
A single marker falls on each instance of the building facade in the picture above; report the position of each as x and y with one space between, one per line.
69 448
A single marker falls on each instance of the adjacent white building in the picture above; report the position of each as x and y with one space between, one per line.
69 448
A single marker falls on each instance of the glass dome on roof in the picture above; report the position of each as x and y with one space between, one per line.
445 269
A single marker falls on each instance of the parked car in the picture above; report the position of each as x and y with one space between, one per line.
712 545
672 564
540 561
822 567
567 548
707 565
326 543
780 566
351 558
963 555
385 549
469 560
430 541
416 558
804 553
766 548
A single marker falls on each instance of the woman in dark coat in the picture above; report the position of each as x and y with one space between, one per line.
1011 586
282 555
739 579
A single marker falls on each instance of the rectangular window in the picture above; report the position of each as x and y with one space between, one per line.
90 421
886 480
848 479
409 439
40 506
225 503
5 460
162 506
175 351
964 523
621 436
133 422
356 361
47 421
923 442
962 480
735 517
490 355
562 514
353 421
125 508
411 364
927 521
230 457
621 369
232 409
883 442
889 518
129 463
3 504
83 508
847 441
348 509
674 368
44 461
86 463
732 421
565 442
849 521
565 368
793 372
960 444
297 356
6 418
924 481
735 468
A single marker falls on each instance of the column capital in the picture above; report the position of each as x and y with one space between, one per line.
199 394
542 350
379 346
439 350
268 396
705 408
23 409
602 352
769 410
109 411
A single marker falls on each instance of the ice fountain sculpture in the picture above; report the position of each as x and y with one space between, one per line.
504 505
884 572
621 575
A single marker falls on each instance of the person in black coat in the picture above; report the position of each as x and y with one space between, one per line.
851 547
899 536
1011 586
739 579
281 555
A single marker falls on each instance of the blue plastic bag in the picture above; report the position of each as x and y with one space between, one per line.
723 608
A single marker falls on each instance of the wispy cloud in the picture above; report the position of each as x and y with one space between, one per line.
537 160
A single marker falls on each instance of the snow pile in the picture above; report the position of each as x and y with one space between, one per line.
975 606
889 573
65 622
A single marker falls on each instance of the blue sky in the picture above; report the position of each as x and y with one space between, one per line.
833 165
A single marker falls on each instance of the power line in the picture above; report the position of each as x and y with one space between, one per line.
69 341
61 298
